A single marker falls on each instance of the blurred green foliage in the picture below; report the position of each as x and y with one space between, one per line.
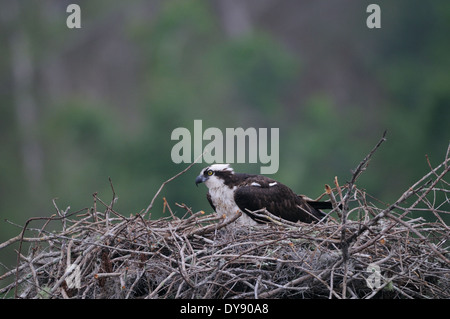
189 69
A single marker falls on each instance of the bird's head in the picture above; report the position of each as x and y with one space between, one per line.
214 175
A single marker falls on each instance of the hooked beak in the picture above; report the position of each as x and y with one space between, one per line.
200 179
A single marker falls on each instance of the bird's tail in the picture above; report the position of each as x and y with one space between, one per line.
320 205
316 206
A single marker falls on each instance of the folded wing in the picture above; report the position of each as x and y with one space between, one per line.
278 199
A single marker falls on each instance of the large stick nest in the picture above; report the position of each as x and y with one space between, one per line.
366 251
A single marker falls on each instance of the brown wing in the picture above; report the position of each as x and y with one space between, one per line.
278 199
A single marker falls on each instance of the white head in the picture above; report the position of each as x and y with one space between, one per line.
215 175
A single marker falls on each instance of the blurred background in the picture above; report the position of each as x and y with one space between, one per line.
80 105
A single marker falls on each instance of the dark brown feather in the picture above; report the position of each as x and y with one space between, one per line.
278 199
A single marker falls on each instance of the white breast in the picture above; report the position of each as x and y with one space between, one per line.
223 199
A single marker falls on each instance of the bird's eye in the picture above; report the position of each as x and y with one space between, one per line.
209 173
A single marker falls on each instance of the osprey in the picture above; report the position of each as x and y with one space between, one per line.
230 193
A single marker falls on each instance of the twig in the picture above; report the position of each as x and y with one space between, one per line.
358 171
345 208
169 180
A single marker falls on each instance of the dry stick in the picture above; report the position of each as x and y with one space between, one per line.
24 239
166 204
138 277
107 274
114 198
333 201
357 172
213 227
60 214
109 209
188 210
291 283
182 267
161 284
345 209
447 155
94 211
169 180
265 214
